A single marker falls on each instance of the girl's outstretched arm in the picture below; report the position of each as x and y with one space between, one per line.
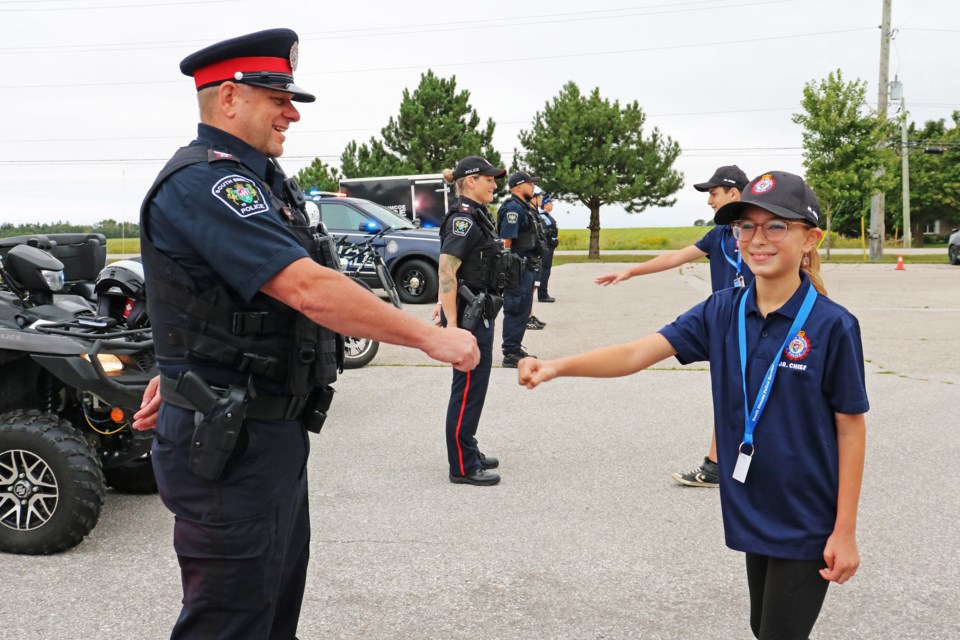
609 362
841 553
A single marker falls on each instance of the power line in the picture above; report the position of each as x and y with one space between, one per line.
368 32
34 9
482 62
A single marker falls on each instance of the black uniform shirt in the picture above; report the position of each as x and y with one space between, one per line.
460 233
217 222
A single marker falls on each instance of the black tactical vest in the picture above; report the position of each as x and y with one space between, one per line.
477 269
527 240
263 337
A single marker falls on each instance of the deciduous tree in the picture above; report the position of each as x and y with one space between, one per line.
844 146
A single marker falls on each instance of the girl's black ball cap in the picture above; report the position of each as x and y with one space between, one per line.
782 194
263 59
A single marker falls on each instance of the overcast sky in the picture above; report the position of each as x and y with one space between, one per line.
93 102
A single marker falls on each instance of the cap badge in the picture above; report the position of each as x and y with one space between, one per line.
764 184
294 56
469 171
799 347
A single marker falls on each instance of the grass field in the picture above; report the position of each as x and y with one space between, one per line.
632 239
888 258
659 238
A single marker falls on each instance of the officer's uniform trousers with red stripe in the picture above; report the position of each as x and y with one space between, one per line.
467 394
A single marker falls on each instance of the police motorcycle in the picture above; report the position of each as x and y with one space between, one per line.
72 374
356 259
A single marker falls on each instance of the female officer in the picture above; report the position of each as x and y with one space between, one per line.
787 363
468 241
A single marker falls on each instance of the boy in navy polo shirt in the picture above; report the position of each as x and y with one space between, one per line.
727 269
788 376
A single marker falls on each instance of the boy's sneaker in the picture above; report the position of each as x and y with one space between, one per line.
533 322
706 475
511 360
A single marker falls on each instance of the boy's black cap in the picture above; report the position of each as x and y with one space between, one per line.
262 59
783 194
521 177
477 166
729 176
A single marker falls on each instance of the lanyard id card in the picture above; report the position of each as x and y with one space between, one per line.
738 281
736 264
752 416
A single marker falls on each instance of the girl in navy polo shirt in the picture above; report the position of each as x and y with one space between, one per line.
789 403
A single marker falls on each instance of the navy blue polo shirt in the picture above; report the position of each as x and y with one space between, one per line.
512 218
787 506
719 245
208 219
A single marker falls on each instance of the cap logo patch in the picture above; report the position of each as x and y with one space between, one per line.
764 184
294 56
469 171
240 195
512 217
799 347
461 226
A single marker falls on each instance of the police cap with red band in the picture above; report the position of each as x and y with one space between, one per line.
263 59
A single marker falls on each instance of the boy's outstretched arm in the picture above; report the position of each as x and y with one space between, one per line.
609 362
841 553
662 262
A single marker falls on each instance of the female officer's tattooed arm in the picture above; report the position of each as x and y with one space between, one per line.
447 272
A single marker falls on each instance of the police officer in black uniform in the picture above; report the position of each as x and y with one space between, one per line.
519 231
245 299
474 269
553 239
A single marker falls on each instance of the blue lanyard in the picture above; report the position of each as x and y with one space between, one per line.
752 417
736 264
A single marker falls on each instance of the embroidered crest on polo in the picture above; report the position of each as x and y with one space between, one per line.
512 217
240 195
764 184
799 347
461 226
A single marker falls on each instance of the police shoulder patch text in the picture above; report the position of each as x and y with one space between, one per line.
241 195
461 226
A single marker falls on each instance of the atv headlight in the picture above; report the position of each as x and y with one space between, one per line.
54 279
109 362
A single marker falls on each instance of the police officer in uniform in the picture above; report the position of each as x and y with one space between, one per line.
245 299
553 239
473 270
519 230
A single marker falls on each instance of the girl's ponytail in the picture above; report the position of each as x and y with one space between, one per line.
811 266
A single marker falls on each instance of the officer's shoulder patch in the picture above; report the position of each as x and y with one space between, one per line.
461 225
512 217
241 195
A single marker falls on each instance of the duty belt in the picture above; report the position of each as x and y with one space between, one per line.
259 408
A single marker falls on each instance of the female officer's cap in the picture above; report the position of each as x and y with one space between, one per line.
263 59
783 194
546 198
477 166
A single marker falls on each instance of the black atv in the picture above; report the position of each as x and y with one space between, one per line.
72 375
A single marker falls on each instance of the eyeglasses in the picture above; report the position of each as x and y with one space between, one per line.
773 230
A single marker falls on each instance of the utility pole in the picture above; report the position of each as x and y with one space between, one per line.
877 201
907 233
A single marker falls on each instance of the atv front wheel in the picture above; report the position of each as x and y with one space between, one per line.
51 484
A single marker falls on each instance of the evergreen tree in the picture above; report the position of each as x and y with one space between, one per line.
319 176
435 128
589 150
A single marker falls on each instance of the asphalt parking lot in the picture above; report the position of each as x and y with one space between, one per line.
587 536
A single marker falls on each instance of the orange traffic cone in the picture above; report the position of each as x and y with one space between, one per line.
900 263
